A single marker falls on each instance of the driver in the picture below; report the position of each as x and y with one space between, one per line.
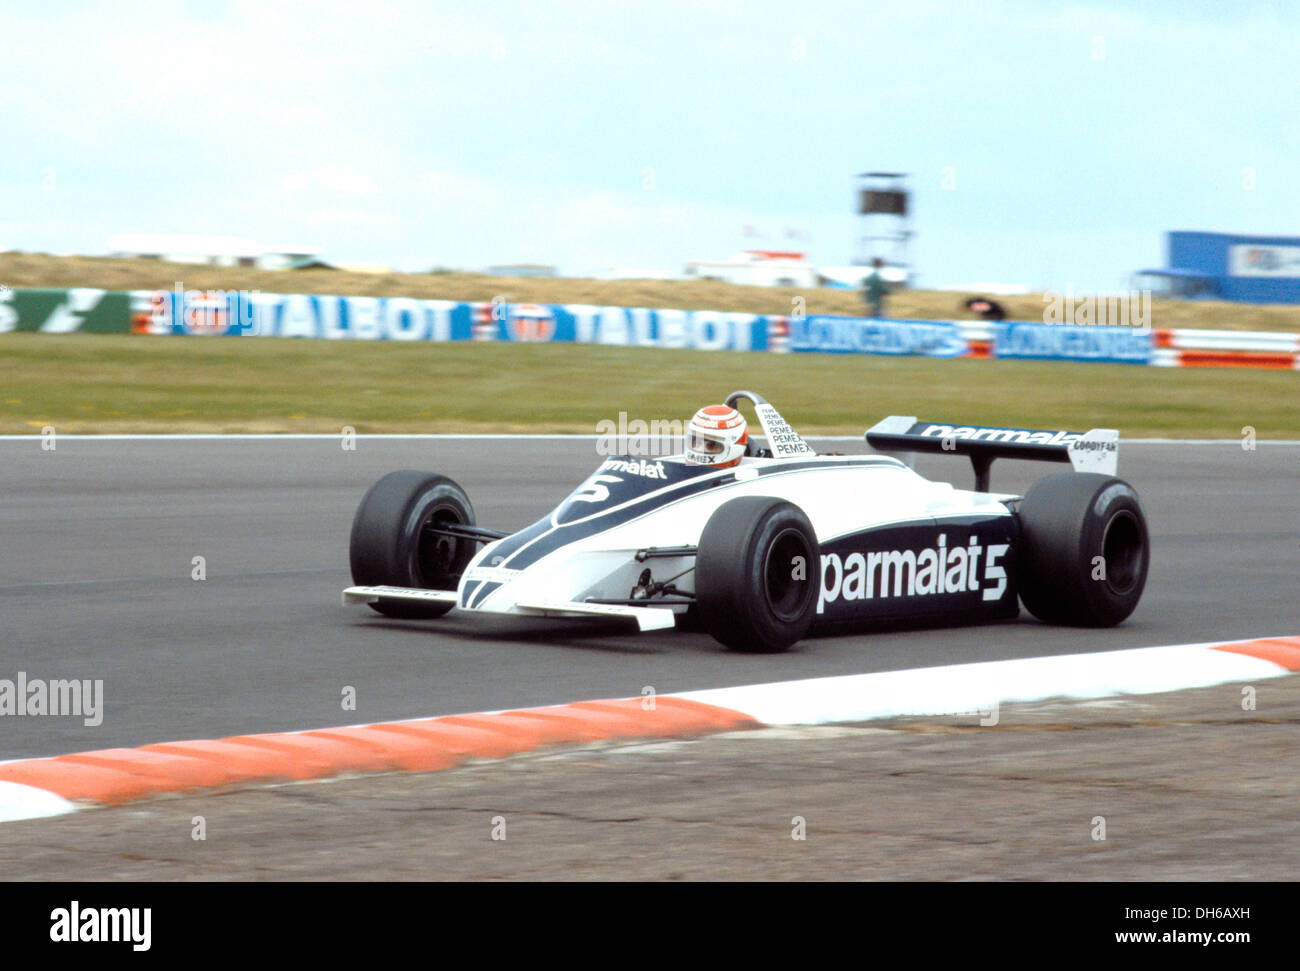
716 436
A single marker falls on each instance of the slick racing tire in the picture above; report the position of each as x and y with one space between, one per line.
1084 550
757 569
392 546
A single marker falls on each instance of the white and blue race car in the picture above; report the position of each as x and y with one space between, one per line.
760 553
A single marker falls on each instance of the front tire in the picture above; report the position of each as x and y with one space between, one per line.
756 573
392 546
1084 550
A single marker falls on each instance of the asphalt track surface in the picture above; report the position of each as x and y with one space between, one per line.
97 540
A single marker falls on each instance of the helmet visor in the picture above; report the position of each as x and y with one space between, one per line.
699 443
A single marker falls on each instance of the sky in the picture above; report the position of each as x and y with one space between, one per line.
1048 145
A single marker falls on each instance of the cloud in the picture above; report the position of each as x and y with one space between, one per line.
409 133
339 179
349 217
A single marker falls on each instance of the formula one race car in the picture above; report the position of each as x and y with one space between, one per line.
759 553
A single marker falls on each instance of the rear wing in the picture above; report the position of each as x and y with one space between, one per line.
1092 451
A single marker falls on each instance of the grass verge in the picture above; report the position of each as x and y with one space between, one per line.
102 383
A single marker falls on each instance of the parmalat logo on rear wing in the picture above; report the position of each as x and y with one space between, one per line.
1096 450
979 433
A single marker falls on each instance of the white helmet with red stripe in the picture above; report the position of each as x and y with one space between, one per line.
716 436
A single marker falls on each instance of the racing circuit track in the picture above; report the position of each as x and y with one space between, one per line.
99 537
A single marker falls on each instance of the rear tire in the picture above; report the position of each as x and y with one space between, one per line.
756 573
390 545
1084 550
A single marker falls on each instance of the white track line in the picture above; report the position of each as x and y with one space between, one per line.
18 801
964 688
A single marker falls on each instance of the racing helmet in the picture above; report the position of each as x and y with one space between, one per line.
716 436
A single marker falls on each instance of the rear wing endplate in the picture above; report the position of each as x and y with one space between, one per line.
1092 451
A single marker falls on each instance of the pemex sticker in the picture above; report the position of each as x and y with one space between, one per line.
781 438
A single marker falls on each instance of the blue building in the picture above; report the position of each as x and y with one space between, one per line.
1222 266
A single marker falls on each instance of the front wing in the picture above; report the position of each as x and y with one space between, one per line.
646 618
